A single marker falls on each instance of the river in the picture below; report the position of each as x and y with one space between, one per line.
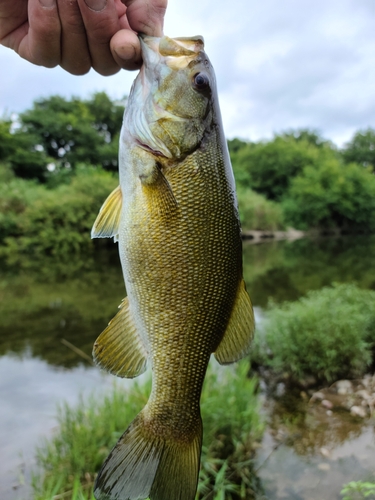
51 313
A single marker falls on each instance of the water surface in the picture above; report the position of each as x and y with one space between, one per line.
43 304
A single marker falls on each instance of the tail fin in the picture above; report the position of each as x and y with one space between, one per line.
142 465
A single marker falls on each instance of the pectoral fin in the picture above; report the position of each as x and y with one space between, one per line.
119 348
240 330
107 222
159 193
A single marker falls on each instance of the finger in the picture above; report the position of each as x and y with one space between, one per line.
146 17
126 49
13 14
101 23
38 38
75 55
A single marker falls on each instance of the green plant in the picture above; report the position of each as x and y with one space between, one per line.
230 411
328 334
268 167
358 490
361 148
39 222
332 194
258 213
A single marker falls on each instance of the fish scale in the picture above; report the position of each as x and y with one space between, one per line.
176 220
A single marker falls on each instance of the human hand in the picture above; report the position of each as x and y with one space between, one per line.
80 34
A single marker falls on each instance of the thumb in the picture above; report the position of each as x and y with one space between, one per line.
126 49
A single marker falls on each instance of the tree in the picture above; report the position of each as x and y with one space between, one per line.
361 149
332 195
75 131
310 136
269 167
20 152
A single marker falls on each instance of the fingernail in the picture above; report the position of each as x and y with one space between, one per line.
47 3
96 5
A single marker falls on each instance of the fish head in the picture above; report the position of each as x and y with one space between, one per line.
172 99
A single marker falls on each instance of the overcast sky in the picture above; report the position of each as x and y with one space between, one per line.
279 65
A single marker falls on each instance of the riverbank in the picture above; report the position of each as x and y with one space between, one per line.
291 234
232 424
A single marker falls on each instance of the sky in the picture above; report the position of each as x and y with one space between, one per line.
279 66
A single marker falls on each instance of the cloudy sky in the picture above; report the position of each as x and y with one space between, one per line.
279 65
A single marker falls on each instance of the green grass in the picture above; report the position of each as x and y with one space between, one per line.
329 334
68 462
358 490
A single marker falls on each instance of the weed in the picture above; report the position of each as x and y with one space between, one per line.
70 460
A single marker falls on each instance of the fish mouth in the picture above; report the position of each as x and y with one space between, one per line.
176 53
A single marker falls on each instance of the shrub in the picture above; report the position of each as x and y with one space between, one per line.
361 148
269 167
256 212
41 222
358 490
230 412
332 195
15 196
328 334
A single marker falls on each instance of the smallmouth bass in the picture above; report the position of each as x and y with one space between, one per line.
176 220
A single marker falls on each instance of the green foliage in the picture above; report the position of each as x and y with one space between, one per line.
39 222
61 134
361 149
332 194
69 461
358 490
268 167
328 334
20 150
258 213
74 131
307 135
15 195
6 140
6 173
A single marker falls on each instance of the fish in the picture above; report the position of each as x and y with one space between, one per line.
175 217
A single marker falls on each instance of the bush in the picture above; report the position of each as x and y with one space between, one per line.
361 149
358 490
258 213
329 334
269 167
230 412
38 222
15 196
332 195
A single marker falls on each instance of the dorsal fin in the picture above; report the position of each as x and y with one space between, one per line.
107 222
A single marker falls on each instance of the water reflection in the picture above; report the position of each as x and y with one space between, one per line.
286 270
30 390
38 311
308 427
40 304
290 476
43 303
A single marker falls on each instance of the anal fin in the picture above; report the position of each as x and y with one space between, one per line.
238 336
119 348
107 222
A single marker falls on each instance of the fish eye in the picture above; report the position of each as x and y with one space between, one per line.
201 81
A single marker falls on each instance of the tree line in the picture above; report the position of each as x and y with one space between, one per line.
58 161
